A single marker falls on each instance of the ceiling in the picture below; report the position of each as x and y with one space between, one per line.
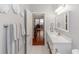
48 8
38 15
39 9
42 7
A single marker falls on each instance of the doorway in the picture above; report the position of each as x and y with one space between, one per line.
38 30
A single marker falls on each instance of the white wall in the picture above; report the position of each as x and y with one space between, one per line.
49 18
7 19
73 25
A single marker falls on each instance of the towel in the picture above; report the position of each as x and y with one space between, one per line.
10 37
20 37
14 38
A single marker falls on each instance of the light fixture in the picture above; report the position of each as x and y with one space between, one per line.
61 9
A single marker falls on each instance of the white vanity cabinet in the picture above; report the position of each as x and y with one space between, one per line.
62 48
59 44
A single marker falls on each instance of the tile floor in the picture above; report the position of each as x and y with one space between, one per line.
39 50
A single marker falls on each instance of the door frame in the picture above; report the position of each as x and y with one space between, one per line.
44 24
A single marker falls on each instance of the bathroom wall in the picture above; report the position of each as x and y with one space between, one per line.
49 19
73 25
7 19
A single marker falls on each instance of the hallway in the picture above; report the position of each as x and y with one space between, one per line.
39 40
38 29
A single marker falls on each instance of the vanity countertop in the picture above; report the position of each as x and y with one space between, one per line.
58 39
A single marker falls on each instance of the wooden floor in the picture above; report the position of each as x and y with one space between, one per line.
39 40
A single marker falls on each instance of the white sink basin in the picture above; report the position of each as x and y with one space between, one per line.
58 39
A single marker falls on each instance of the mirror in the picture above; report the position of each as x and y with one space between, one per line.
62 21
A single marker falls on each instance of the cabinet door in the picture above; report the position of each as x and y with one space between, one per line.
62 48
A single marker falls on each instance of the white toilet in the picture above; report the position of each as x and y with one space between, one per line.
75 51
